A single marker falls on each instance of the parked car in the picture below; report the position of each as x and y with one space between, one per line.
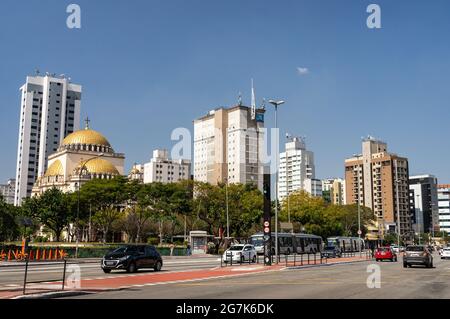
417 255
395 249
240 253
445 253
383 253
331 252
131 258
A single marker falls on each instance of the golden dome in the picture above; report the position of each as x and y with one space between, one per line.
98 166
55 169
86 136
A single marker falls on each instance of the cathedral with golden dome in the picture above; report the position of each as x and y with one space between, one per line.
83 155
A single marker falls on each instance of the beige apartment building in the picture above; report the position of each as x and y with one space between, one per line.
227 146
370 179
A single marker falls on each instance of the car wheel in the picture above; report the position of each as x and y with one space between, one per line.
106 271
131 268
158 266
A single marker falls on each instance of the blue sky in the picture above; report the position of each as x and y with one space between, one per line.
148 67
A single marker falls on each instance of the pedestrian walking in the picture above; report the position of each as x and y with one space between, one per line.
188 250
171 246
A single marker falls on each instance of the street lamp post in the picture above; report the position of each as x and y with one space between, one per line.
359 212
276 104
226 200
83 166
397 181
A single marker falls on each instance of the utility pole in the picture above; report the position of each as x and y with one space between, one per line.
397 181
276 104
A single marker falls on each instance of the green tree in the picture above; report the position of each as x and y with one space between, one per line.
52 209
104 220
9 228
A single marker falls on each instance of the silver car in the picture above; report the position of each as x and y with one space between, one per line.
240 253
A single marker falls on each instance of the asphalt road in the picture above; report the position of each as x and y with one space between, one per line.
14 276
334 281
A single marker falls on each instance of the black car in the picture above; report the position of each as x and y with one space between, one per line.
131 258
331 252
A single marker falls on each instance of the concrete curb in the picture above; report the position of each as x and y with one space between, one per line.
59 294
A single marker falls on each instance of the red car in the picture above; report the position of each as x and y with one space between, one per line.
383 253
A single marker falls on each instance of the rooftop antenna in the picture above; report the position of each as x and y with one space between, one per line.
263 104
37 71
240 99
253 104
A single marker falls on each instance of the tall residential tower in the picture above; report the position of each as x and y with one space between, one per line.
49 111
376 179
227 146
297 170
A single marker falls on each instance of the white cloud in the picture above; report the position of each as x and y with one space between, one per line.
302 71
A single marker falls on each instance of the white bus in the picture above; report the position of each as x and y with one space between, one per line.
346 244
289 243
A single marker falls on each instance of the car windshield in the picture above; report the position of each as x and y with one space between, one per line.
236 247
415 248
125 249
257 241
383 249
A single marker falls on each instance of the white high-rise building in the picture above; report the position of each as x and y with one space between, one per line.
228 145
7 191
49 111
444 207
297 170
163 169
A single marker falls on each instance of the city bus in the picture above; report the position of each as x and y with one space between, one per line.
289 243
346 244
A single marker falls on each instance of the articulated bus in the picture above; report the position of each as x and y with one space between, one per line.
289 243
346 244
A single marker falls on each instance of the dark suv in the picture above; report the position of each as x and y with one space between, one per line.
131 258
417 255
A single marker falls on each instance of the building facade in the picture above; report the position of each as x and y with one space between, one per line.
335 187
376 179
313 186
7 191
50 110
227 146
165 170
444 207
83 155
297 170
424 207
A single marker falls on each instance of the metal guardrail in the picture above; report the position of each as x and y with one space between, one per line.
25 279
295 259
